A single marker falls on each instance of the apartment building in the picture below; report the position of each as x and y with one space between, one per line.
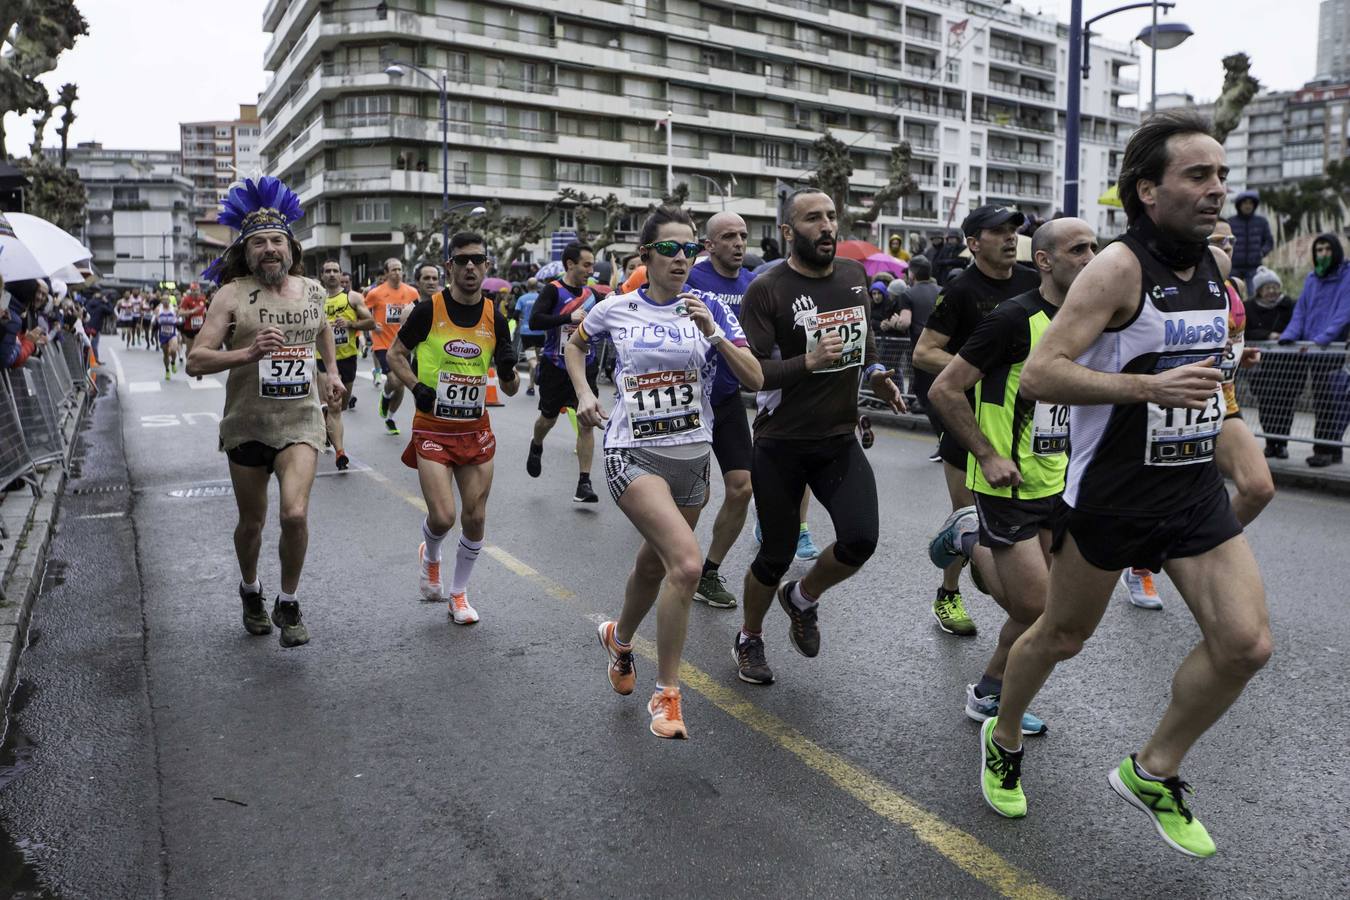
215 155
542 96
139 222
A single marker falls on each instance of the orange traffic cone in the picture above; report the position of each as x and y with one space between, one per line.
492 398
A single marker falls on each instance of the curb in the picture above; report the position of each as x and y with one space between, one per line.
20 585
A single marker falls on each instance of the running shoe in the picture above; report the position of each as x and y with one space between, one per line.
806 548
429 575
935 456
286 616
390 427
255 612
759 534
866 436
342 462
166 374
950 611
534 463
529 391
1000 775
351 401
1139 584
461 611
982 708
585 493
1165 803
945 547
383 406
751 666
712 591
621 669
667 718
802 630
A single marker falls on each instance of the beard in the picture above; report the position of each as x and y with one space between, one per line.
272 278
808 251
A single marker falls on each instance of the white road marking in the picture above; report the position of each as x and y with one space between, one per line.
144 387
206 384
110 515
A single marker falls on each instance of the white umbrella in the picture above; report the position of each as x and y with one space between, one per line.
31 247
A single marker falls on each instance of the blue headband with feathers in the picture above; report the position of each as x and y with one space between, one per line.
267 205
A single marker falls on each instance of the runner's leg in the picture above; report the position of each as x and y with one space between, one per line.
585 449
847 489
250 496
1224 591
295 467
1074 605
1025 567
475 483
730 519
777 478
1241 459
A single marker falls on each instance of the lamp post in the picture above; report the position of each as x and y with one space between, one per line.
1159 37
714 182
395 70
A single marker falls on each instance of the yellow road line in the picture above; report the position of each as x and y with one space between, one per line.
960 848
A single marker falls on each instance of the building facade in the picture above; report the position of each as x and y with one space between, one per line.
1333 41
542 96
139 222
215 155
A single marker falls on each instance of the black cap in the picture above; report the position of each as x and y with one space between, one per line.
990 217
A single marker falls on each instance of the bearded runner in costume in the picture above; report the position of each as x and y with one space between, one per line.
271 320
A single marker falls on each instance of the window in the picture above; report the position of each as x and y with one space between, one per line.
953 71
581 173
974 179
772 154
949 175
495 116
640 180
458 66
458 110
459 171
975 149
531 120
529 76
567 219
358 110
372 211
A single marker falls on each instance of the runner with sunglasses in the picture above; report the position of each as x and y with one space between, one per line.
670 345
457 336
807 324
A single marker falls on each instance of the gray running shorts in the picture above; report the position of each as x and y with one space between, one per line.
687 478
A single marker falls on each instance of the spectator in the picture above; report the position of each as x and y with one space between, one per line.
1322 316
1252 239
769 249
1271 308
96 310
885 309
934 246
896 248
916 304
23 335
949 260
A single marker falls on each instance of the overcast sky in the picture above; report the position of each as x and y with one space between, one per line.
147 65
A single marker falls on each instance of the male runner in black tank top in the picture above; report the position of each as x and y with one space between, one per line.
1135 348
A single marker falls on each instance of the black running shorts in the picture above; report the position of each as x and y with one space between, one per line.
731 443
1005 521
346 369
951 451
1120 542
555 389
255 455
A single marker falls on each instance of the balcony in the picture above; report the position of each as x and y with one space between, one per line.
919 215
1021 158
1009 122
1017 191
925 145
1128 113
1017 90
1004 54
932 35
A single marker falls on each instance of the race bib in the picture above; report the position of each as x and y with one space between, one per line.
340 332
393 315
286 374
195 323
1232 358
663 404
459 397
850 324
1050 429
1180 437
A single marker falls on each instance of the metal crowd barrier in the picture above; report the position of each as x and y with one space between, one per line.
897 354
1299 392
14 458
35 400
38 416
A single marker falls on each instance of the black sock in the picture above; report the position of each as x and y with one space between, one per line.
584 479
536 449
709 566
988 686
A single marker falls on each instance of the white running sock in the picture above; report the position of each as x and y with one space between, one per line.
433 541
1144 773
254 588
799 599
466 554
284 597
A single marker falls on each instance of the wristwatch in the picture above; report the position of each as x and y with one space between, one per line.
716 338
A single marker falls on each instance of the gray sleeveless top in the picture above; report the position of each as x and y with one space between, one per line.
275 401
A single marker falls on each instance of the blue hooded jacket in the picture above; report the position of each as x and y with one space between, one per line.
1252 239
1322 314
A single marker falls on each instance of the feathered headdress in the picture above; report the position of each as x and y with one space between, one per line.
267 205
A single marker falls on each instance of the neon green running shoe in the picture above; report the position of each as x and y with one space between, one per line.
1001 775
1165 803
951 615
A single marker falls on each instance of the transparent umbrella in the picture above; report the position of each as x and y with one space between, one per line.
31 247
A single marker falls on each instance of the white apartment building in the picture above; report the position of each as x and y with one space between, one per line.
215 155
543 95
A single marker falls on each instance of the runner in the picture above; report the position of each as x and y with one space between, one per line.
531 341
560 308
721 278
272 318
1134 350
457 337
388 303
1018 450
166 325
128 313
669 346
149 306
806 322
192 316
991 236
347 317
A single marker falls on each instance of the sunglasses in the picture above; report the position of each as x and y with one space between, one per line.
1221 241
672 248
469 259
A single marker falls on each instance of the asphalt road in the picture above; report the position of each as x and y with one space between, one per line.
160 750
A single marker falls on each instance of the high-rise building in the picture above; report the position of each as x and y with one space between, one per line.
139 213
215 155
1333 41
542 96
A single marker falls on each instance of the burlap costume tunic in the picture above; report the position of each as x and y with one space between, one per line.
274 421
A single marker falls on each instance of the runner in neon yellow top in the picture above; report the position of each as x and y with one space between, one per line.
347 315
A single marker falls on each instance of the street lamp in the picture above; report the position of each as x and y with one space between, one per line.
1158 37
395 70
714 182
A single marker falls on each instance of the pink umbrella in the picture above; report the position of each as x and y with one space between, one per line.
884 262
493 285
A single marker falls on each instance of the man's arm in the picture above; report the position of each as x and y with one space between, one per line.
948 396
504 357
365 319
542 317
1339 318
1107 293
207 358
930 354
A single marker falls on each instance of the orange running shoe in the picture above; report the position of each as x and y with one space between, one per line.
1139 583
622 673
667 719
461 611
429 576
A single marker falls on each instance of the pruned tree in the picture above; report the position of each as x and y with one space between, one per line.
66 100
1239 87
834 175
505 235
608 210
33 33
677 197
44 115
55 193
